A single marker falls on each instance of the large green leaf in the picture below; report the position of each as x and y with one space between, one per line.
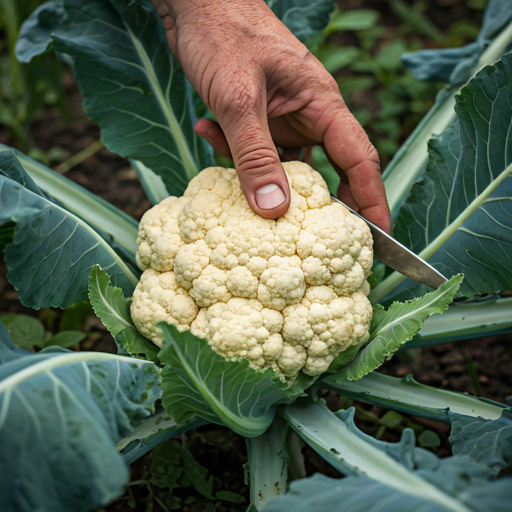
303 17
113 309
408 165
458 217
410 475
98 213
407 395
392 328
133 86
61 415
197 381
488 442
362 494
53 251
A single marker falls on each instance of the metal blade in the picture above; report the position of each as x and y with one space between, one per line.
398 257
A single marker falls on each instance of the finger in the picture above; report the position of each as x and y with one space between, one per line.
211 131
349 147
345 195
261 175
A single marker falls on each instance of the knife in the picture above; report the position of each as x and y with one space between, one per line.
398 257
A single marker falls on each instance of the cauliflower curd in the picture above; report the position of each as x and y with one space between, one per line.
289 294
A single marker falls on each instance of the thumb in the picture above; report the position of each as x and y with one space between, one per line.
257 163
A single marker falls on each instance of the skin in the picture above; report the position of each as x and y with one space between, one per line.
266 89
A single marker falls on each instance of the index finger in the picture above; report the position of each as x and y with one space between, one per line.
349 147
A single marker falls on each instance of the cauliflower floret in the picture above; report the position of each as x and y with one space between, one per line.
244 328
287 294
159 237
325 325
282 283
158 297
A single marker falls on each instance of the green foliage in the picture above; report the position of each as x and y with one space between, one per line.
410 478
303 18
75 316
29 333
126 81
24 89
408 396
197 381
52 250
397 325
457 216
487 442
113 310
67 410
25 331
324 494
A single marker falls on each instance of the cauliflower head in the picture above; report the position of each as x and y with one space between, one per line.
289 294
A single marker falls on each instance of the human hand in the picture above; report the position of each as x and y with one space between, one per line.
265 88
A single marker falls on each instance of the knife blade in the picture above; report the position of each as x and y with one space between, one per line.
398 257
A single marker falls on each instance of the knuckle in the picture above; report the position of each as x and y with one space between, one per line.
256 161
239 99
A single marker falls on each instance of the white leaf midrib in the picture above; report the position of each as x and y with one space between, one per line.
57 361
187 159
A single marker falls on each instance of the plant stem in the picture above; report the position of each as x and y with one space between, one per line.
77 159
474 377
408 396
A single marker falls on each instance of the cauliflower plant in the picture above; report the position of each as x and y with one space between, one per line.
289 294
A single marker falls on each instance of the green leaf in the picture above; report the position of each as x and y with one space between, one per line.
150 433
392 328
232 497
392 419
166 465
152 184
408 164
408 396
335 58
65 339
302 17
457 217
485 317
67 410
113 310
323 494
98 213
75 316
196 475
486 441
455 64
25 331
358 19
429 439
133 85
52 251
408 473
344 358
197 381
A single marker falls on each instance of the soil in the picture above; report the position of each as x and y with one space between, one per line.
447 366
